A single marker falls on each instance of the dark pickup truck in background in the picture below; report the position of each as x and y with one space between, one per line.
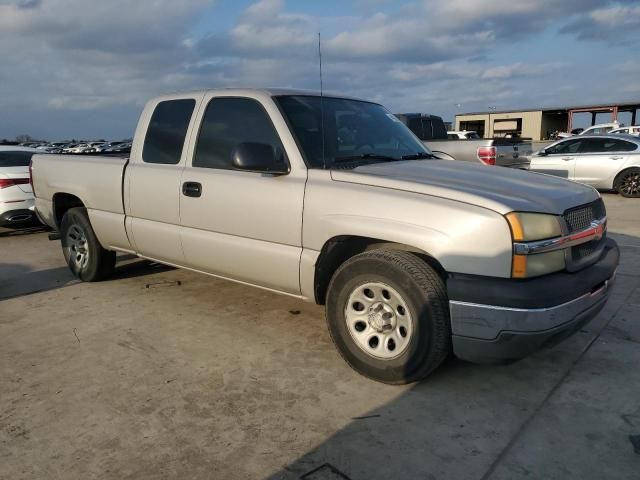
504 152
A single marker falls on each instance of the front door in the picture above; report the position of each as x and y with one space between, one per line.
558 159
241 225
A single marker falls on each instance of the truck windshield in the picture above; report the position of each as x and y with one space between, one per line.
353 131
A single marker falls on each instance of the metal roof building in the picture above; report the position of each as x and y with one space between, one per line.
539 123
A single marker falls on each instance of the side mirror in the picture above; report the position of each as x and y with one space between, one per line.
542 153
258 157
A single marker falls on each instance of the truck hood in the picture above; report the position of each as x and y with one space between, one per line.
497 188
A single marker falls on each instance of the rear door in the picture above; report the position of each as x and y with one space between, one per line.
241 225
559 159
152 189
599 159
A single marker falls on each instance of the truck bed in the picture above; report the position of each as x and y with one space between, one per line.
510 152
96 179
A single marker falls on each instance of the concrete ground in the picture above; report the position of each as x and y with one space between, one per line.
163 373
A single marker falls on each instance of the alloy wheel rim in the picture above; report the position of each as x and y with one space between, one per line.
631 184
78 247
378 320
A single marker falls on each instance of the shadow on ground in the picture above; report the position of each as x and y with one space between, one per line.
25 281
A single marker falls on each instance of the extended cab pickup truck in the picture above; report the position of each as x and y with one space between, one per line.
503 152
332 200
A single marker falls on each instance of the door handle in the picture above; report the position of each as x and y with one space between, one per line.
615 157
566 159
191 189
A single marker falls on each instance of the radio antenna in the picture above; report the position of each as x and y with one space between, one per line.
324 161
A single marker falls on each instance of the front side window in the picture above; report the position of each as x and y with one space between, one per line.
227 123
332 130
570 146
167 131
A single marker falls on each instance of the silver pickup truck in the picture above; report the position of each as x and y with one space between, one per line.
503 152
333 201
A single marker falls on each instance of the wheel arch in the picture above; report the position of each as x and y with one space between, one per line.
339 249
61 203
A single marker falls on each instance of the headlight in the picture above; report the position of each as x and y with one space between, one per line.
531 227
526 227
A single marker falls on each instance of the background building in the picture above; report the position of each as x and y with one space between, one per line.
539 124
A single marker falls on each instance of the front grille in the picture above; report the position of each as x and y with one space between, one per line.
581 217
580 252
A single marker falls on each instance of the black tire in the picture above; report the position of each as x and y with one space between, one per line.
423 292
627 183
81 249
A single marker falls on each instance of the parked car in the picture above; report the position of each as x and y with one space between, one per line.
332 200
16 197
81 148
575 131
69 147
106 146
463 135
504 152
633 130
122 147
606 162
600 129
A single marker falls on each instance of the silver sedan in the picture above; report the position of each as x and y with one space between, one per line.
606 162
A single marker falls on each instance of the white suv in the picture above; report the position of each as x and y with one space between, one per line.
16 196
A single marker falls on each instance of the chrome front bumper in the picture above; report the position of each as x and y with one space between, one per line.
489 333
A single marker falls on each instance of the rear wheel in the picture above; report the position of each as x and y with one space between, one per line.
85 256
627 183
387 312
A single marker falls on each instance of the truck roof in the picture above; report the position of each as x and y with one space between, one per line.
257 92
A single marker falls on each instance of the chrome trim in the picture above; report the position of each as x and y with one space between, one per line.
488 321
594 232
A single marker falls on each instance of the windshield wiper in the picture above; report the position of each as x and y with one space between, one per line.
365 156
418 156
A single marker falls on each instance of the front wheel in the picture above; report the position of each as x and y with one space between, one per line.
387 313
81 249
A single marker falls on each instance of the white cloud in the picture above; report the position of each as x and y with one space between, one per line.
66 59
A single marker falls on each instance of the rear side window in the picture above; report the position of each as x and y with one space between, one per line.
15 159
229 122
604 145
167 131
622 146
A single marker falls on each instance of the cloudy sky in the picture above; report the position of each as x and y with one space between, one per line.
77 68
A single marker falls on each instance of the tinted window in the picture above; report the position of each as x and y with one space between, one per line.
15 159
167 131
229 122
604 145
438 128
452 136
570 146
622 146
415 125
472 136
